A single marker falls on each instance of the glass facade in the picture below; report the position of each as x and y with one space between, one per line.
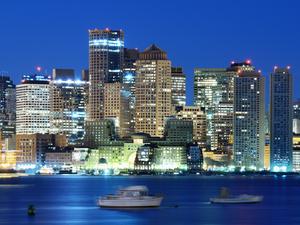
281 110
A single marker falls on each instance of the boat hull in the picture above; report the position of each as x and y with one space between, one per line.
132 203
254 199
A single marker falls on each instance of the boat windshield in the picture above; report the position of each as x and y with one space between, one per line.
133 193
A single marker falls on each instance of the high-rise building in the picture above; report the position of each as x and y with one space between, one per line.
129 75
106 53
153 91
248 123
281 128
33 105
117 107
197 116
213 92
178 87
68 98
7 106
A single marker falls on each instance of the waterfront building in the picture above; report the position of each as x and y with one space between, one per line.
178 130
197 116
178 87
33 105
58 157
117 107
213 93
194 158
248 123
152 91
296 117
99 132
32 148
68 102
106 54
216 160
7 106
281 120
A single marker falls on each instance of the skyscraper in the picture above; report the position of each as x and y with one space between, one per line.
213 92
281 111
248 123
178 87
106 53
153 91
33 106
7 106
129 76
117 107
68 98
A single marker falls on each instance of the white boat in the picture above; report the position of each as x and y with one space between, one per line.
130 197
238 199
225 198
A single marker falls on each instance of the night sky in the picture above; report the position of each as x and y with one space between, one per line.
54 33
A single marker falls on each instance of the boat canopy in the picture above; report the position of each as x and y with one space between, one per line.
135 188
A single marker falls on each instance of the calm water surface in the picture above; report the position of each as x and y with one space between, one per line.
72 200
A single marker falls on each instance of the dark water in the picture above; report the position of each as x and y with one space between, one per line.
72 200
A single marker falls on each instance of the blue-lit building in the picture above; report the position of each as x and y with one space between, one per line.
7 106
248 120
281 111
68 100
106 55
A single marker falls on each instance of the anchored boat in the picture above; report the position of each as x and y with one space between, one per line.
130 197
225 198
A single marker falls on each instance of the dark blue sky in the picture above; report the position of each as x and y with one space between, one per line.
53 33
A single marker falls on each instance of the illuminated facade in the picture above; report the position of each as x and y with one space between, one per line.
296 118
281 120
248 123
129 76
7 106
117 107
197 116
106 53
178 87
213 92
152 91
33 105
68 100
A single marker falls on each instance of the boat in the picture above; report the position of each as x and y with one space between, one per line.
225 198
130 197
46 171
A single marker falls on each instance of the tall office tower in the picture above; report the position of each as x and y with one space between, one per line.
33 106
7 106
195 114
117 108
248 123
281 125
68 98
213 92
296 117
178 87
106 53
129 74
152 91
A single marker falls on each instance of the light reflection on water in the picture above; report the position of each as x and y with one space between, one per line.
73 200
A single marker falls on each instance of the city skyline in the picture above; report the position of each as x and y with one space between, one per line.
213 43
